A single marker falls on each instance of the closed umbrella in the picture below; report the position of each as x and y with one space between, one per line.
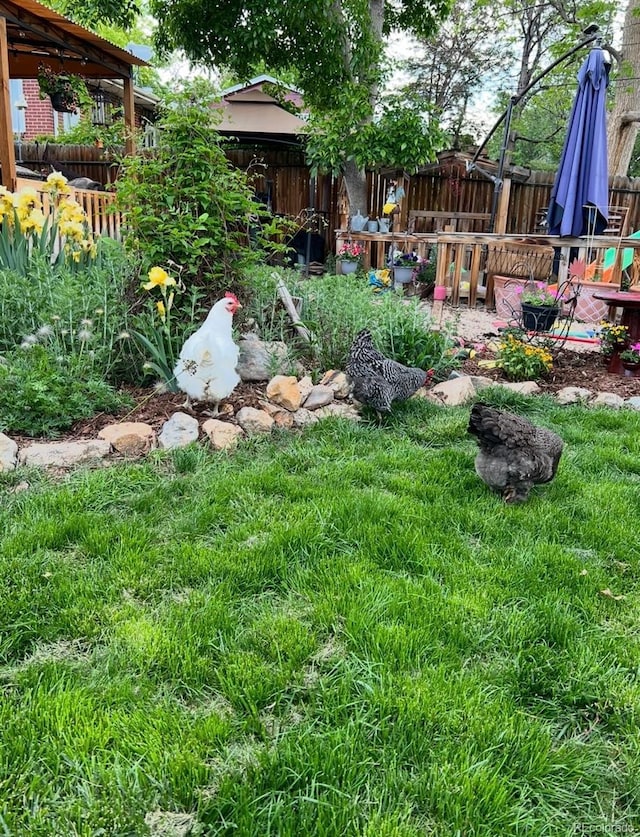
580 195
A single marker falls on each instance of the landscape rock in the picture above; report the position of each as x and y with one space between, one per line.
8 453
522 387
305 385
338 382
179 431
633 402
284 390
608 399
573 395
254 421
222 434
283 419
340 409
319 396
303 418
64 454
259 360
453 393
481 381
133 438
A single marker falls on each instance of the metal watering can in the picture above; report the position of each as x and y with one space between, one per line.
358 222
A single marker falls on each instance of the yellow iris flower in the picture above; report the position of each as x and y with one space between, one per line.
158 278
57 182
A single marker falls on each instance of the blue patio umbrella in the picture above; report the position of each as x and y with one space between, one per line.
580 194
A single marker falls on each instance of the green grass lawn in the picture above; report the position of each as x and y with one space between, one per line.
338 633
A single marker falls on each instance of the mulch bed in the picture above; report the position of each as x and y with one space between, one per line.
571 369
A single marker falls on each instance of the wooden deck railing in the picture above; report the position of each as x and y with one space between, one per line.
102 216
464 257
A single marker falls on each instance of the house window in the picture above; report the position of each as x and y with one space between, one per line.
18 115
70 120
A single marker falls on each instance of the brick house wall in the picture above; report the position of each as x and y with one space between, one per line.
40 117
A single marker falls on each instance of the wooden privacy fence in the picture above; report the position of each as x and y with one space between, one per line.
282 180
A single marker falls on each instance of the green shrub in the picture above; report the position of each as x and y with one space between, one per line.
336 308
42 393
185 203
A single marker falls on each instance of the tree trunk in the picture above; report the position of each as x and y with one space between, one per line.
623 121
355 181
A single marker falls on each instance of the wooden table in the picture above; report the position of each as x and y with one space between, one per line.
630 304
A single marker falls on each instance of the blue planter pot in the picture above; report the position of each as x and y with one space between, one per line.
402 275
348 267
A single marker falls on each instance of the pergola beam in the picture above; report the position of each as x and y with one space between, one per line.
7 153
32 34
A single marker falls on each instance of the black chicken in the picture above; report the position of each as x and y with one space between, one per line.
514 454
377 380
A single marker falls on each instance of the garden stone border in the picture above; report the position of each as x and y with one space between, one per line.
292 403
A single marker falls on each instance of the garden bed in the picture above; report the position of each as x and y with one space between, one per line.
571 369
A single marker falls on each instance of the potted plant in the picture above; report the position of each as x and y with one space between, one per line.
613 338
630 358
403 266
349 256
539 305
66 91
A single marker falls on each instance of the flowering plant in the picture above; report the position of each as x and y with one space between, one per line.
400 259
631 354
521 361
537 293
613 338
350 252
70 90
29 227
159 342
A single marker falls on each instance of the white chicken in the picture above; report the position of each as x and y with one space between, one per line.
206 367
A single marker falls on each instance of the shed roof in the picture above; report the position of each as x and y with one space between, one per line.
36 34
254 112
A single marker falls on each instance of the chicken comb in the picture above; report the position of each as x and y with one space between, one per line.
229 295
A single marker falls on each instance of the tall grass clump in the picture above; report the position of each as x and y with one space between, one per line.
64 341
335 309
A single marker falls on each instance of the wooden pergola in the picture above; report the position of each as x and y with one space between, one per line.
30 35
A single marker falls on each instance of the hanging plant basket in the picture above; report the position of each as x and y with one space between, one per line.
60 103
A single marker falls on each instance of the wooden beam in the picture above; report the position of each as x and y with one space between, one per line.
7 154
129 117
23 65
503 206
64 40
